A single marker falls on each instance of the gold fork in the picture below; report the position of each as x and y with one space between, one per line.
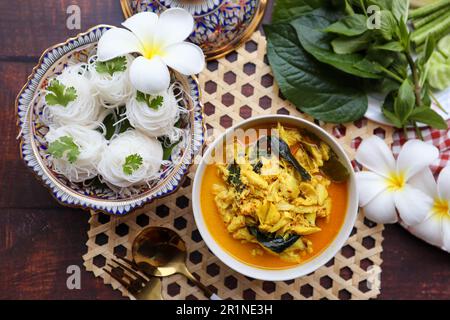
139 286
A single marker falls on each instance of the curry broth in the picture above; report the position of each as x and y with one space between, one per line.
242 251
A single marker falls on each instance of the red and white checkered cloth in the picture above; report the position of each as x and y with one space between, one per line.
439 138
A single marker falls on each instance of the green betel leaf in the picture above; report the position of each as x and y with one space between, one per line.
285 10
404 103
349 26
64 147
110 67
59 95
400 9
319 90
388 25
429 117
345 45
394 46
153 102
132 163
317 43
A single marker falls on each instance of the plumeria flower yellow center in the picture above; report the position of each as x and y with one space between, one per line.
161 43
385 191
441 207
396 181
435 228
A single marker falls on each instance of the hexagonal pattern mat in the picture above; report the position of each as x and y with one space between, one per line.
235 88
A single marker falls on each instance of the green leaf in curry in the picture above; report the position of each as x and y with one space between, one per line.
271 241
59 95
309 28
334 169
110 67
64 147
313 87
234 176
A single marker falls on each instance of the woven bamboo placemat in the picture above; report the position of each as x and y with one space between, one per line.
237 87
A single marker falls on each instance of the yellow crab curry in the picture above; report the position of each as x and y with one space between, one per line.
277 201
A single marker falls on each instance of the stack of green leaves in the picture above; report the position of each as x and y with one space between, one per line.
325 54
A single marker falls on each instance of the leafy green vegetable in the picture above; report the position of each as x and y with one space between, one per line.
285 10
64 147
404 104
428 116
132 163
349 26
59 95
400 9
168 147
346 45
153 102
110 67
388 25
313 87
394 46
271 241
115 124
317 43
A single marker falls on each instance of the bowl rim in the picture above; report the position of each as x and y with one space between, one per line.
297 271
63 193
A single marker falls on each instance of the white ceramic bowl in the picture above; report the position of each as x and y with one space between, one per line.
310 265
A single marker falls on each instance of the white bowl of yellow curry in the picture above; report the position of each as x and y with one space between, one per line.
274 197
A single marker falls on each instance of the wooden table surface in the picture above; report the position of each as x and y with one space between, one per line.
39 238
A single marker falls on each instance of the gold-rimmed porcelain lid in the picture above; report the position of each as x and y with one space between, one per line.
221 26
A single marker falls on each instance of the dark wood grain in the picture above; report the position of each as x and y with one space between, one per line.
39 239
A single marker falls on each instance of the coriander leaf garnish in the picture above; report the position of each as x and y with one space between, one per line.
64 147
132 163
58 94
153 102
112 66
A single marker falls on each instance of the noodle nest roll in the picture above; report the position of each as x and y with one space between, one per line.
75 151
131 159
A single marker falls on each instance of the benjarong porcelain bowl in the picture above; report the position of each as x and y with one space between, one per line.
97 197
308 266
220 26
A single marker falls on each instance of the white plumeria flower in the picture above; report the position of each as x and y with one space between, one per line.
435 228
160 41
385 189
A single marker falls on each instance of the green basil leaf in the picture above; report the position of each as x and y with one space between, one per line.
317 43
400 9
388 25
313 87
428 116
349 26
404 104
392 118
285 10
394 46
345 45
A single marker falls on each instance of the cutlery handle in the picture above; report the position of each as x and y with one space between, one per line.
206 291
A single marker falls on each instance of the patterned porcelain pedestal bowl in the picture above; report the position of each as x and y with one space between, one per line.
97 197
220 25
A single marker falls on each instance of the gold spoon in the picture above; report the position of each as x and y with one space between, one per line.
161 252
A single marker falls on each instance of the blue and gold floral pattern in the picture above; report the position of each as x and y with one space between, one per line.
97 196
220 25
